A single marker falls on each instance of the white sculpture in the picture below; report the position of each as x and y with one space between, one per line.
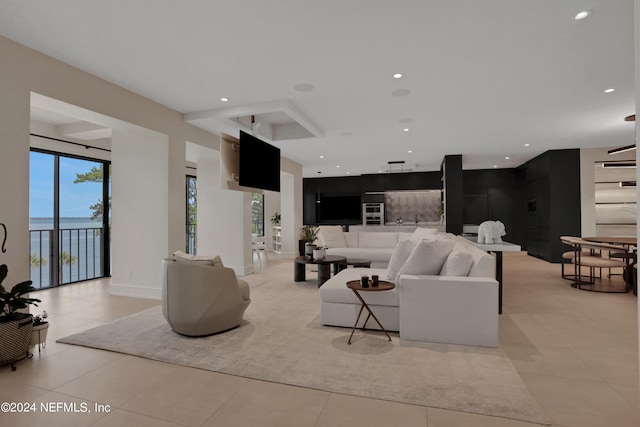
490 232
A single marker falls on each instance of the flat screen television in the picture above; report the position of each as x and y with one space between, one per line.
339 208
259 163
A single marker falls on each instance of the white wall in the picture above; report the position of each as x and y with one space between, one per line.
224 216
139 239
25 71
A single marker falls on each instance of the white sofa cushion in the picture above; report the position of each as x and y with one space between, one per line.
484 264
402 235
427 257
335 289
332 236
399 257
372 239
422 233
458 263
352 239
181 256
376 255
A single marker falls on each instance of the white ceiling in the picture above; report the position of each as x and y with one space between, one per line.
485 77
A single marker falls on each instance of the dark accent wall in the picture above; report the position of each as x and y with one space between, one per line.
538 202
452 193
363 185
552 202
495 194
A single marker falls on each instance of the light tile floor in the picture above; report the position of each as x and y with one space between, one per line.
576 351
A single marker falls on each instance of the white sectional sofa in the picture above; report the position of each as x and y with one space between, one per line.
376 246
456 305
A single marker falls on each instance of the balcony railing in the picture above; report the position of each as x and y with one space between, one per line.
79 256
192 242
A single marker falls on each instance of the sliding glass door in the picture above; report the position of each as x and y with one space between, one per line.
192 215
69 219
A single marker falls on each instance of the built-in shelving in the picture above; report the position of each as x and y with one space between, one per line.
276 235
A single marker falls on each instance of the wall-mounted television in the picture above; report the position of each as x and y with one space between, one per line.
259 163
339 208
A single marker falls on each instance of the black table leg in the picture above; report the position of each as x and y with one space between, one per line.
299 272
324 273
499 279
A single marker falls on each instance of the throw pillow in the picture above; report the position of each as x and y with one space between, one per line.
458 263
421 233
215 261
332 236
427 258
182 256
399 257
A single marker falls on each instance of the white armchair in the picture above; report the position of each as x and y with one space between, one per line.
200 300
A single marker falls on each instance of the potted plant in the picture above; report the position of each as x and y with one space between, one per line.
15 326
275 219
319 252
39 332
308 234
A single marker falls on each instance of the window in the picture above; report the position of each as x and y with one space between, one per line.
69 222
257 214
192 211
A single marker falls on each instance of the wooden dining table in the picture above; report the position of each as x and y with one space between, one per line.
613 240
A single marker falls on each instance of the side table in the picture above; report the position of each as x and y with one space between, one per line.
356 287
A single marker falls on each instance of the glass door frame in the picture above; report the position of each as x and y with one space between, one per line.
105 258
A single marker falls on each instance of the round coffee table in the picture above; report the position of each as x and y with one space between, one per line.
356 287
324 267
359 262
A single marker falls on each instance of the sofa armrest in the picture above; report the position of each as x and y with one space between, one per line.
446 309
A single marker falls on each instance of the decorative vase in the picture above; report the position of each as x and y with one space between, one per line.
319 253
39 335
308 249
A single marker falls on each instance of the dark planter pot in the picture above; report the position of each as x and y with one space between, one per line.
301 247
14 338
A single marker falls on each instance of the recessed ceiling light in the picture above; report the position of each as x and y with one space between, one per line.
379 171
410 151
582 15
495 166
348 173
338 166
401 92
224 99
322 157
303 87
526 145
406 129
609 90
507 158
397 75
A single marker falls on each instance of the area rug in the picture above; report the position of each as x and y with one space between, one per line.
282 340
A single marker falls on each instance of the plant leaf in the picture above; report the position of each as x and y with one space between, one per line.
4 270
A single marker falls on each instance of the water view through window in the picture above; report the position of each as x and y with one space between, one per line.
68 233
